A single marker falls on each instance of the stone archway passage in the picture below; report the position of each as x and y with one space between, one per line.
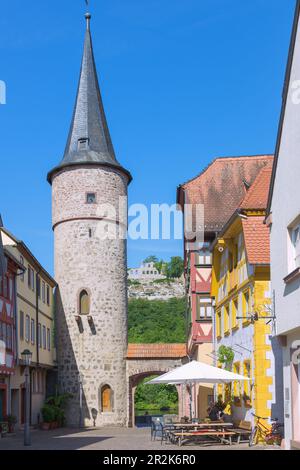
145 360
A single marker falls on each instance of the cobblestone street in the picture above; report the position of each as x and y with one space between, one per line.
103 439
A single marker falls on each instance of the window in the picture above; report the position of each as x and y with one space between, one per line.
234 312
48 295
8 337
22 263
30 275
294 261
230 261
247 386
236 255
43 291
106 399
48 339
83 143
39 335
219 324
226 320
204 309
32 331
44 338
5 287
246 307
91 198
21 325
237 384
84 303
203 258
38 286
27 328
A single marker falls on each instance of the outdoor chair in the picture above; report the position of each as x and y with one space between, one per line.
156 428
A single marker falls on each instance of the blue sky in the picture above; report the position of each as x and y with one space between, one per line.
183 81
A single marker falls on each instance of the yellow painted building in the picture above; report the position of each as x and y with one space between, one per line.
34 330
243 299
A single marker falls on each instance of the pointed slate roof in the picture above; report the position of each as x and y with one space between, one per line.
3 262
89 140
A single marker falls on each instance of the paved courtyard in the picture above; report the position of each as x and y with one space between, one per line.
102 439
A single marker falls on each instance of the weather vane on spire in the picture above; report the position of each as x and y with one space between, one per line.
88 16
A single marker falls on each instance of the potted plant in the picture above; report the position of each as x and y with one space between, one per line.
57 405
226 356
48 414
11 421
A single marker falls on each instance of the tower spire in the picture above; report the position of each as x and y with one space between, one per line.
89 140
88 17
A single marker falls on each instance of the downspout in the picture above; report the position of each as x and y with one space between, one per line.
38 289
16 320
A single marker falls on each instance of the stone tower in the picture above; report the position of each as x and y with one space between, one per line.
91 269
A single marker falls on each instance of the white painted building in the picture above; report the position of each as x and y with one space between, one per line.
284 221
146 271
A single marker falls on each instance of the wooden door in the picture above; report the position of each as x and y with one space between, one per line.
106 399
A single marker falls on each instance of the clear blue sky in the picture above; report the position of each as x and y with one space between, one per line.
183 81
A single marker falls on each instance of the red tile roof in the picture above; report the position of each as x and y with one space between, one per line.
149 351
221 187
257 195
257 240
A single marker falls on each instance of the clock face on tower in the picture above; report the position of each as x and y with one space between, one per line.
91 198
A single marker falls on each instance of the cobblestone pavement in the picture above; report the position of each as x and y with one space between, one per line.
102 439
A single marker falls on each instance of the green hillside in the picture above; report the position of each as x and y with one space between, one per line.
156 321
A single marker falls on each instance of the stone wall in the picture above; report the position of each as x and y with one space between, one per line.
151 290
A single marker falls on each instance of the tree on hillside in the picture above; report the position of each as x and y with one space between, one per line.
156 321
161 266
151 259
175 268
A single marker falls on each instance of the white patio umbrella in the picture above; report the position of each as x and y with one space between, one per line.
198 372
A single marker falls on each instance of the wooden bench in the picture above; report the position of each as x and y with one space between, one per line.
222 435
243 430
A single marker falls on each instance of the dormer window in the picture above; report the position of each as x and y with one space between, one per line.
83 144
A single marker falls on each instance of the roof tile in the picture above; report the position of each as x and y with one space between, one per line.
139 351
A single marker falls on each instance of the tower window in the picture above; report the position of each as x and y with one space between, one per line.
84 303
83 144
91 198
106 399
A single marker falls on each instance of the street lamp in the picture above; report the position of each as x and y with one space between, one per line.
26 358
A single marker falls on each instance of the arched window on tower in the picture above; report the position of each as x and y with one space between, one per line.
106 399
84 303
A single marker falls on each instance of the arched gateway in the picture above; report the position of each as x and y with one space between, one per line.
146 360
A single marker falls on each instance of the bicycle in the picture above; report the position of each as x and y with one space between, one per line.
262 431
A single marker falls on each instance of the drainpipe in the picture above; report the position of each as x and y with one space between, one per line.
38 289
16 320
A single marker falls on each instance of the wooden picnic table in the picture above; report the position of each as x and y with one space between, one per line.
202 425
182 431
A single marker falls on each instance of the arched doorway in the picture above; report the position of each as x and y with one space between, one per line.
146 401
